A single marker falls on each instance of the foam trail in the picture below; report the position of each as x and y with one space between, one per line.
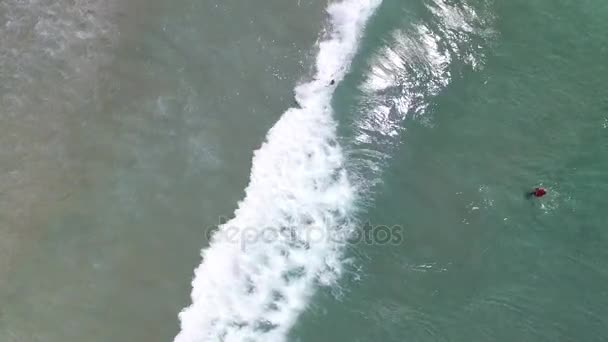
261 267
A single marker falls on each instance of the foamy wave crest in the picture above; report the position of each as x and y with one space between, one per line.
252 288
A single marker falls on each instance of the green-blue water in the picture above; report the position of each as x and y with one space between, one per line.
478 261
127 131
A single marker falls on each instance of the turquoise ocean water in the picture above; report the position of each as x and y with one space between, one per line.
393 143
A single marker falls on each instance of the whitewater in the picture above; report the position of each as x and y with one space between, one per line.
285 238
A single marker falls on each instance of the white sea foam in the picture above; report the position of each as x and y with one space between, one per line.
262 266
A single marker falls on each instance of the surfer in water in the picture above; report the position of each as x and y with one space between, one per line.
537 192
